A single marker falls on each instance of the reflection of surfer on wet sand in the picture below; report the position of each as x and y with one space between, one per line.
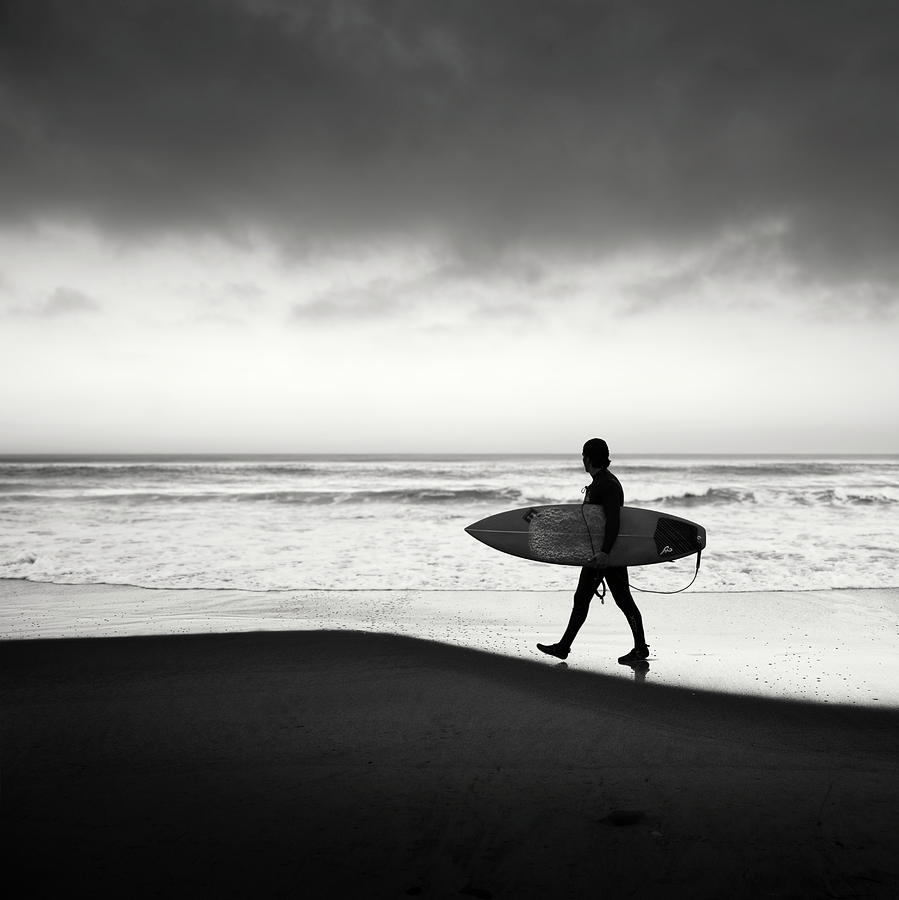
640 668
606 491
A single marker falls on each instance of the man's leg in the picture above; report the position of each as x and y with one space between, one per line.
619 585
586 588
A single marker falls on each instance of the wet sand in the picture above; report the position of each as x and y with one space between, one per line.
837 646
370 765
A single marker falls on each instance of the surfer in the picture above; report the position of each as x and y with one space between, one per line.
606 490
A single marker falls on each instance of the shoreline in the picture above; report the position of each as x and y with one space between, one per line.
385 766
832 647
377 590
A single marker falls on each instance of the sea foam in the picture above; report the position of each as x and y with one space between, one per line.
397 522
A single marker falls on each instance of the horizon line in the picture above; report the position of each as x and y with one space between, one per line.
429 454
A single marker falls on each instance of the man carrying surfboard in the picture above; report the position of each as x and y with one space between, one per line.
606 490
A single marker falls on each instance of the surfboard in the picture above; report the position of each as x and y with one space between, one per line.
569 534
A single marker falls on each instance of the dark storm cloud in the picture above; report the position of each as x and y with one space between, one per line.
63 301
749 255
374 300
582 126
468 282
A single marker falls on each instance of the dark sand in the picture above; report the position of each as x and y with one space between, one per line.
345 764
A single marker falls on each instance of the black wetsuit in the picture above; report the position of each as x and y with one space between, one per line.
606 490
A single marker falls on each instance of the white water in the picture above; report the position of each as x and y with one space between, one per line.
773 523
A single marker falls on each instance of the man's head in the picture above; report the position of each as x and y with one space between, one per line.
596 454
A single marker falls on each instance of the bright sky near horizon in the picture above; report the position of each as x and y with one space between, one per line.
259 226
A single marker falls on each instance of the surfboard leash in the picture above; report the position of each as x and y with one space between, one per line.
602 582
679 590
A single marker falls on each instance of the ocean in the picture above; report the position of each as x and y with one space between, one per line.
396 522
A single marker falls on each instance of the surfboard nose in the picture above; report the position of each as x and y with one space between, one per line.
503 521
505 531
475 526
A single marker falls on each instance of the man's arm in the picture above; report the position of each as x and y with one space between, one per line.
613 524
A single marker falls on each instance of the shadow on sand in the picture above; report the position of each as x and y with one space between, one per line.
383 766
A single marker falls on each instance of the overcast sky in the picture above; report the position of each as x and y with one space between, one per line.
429 225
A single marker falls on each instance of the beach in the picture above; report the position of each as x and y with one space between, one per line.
835 646
371 764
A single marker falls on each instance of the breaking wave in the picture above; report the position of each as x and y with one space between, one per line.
723 496
711 496
315 498
834 497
